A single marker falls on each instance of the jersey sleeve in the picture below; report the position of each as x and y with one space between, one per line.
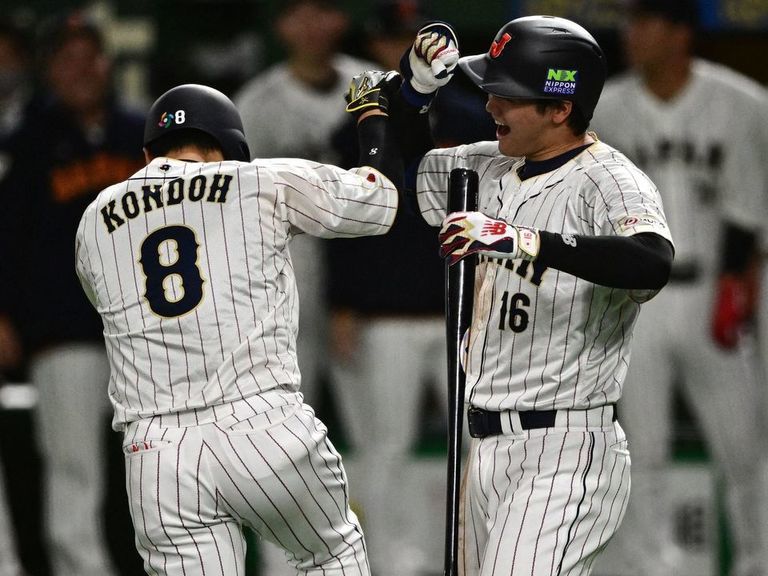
625 201
329 202
745 176
435 169
81 261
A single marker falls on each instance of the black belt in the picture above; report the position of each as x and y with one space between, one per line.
685 273
483 423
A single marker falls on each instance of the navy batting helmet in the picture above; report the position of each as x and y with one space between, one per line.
541 57
198 107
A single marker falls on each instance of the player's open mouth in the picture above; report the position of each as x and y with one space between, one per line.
501 130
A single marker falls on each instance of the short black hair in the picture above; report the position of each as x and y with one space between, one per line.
286 6
676 11
178 139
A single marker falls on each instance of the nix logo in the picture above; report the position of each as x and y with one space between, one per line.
498 47
562 75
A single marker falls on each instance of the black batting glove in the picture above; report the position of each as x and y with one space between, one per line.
372 90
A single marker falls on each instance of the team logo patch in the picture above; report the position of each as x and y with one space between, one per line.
498 45
642 220
561 81
169 118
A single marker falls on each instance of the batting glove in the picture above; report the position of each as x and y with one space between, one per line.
371 90
429 64
465 233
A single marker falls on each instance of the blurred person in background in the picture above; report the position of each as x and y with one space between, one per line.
78 141
10 565
15 97
16 103
388 343
16 84
698 130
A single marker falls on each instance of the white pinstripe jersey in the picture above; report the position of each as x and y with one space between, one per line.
544 339
188 265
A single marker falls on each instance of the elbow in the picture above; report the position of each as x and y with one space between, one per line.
662 272
659 263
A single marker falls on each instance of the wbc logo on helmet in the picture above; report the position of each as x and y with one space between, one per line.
168 118
498 45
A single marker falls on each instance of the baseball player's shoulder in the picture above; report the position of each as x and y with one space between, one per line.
473 156
253 92
619 93
112 193
618 87
720 79
348 66
603 164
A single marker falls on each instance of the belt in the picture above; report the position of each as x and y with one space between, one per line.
483 423
685 273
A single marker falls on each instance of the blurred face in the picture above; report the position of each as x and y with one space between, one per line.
78 74
649 40
13 67
520 128
312 29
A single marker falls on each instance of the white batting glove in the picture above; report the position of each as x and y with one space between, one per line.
430 63
465 233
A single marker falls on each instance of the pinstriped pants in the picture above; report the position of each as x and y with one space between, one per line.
192 488
543 502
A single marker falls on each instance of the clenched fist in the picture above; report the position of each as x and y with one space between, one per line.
429 64
465 233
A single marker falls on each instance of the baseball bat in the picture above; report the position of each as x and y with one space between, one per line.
459 293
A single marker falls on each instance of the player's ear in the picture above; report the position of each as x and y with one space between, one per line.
561 110
147 156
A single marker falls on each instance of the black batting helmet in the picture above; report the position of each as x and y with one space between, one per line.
541 57
198 107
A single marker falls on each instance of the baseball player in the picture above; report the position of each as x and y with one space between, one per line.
698 129
187 262
571 238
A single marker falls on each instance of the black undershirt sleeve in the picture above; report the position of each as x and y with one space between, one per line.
641 261
413 132
413 135
378 148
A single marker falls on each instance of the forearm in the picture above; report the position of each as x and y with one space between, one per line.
378 148
412 131
642 261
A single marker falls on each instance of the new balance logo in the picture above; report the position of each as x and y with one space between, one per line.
493 229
